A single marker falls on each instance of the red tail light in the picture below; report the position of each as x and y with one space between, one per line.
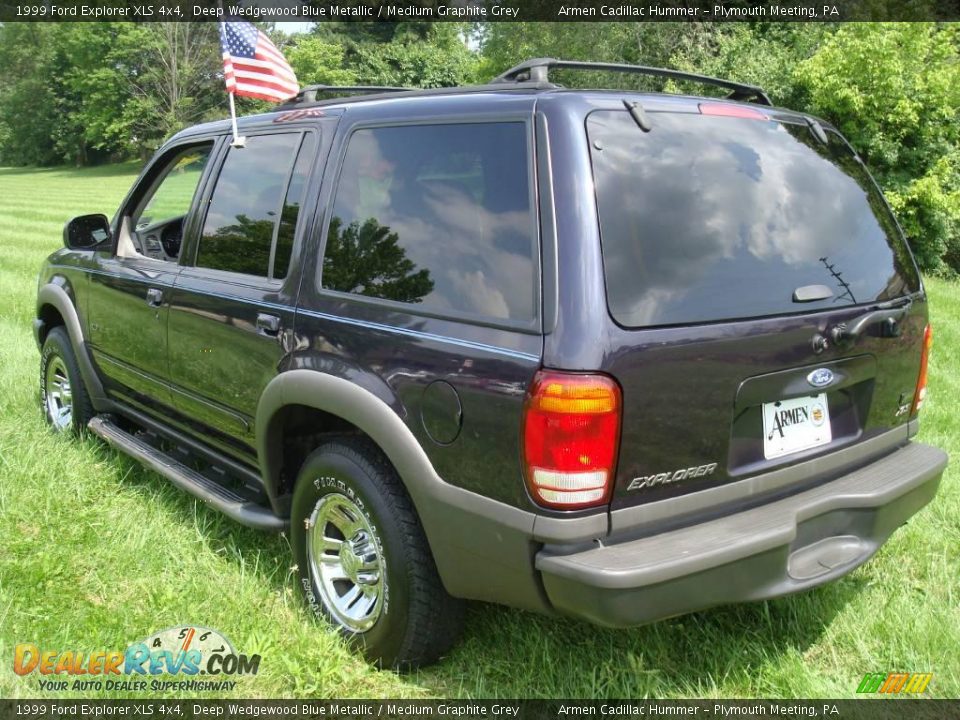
571 431
922 379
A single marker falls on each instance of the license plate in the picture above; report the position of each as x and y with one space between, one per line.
790 426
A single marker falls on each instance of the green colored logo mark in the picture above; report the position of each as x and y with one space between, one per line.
894 683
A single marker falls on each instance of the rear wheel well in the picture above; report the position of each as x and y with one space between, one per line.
302 429
51 318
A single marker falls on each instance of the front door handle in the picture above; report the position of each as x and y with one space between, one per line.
154 297
268 324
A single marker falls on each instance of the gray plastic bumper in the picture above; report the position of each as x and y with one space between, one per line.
774 549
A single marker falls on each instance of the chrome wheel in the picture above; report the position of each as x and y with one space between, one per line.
345 561
59 398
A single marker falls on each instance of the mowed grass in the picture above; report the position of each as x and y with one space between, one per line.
96 552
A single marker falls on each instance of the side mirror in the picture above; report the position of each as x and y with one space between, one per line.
85 232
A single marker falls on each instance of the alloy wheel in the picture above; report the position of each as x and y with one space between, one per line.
346 562
58 394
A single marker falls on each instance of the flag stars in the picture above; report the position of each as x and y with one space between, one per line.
252 64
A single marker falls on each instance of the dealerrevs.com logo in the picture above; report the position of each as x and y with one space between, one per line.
186 651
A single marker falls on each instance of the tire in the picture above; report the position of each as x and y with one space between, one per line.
400 616
64 399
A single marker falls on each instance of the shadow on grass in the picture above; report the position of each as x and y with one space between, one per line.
511 653
224 535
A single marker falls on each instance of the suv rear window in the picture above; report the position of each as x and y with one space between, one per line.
709 218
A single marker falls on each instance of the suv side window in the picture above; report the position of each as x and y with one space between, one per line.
158 217
253 210
439 215
291 207
173 196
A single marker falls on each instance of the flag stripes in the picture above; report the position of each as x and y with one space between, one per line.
252 65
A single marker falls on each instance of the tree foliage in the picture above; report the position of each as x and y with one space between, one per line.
893 89
29 119
176 82
413 54
318 62
367 259
91 92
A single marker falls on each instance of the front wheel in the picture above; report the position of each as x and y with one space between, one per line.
65 402
363 560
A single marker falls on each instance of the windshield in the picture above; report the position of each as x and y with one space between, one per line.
708 218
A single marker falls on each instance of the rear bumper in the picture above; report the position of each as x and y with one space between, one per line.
767 551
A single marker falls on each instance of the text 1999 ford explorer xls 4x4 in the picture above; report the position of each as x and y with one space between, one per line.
609 354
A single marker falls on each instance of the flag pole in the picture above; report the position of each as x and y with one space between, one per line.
237 140
252 66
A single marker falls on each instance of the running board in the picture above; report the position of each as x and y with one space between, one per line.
185 478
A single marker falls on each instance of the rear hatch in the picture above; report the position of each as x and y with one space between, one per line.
739 254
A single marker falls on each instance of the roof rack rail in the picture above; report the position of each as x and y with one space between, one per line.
538 70
310 92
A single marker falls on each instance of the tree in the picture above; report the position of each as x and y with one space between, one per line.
178 82
97 58
90 92
368 260
928 208
405 54
30 116
506 44
893 89
763 54
318 62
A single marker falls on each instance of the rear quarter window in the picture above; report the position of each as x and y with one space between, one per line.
437 216
708 218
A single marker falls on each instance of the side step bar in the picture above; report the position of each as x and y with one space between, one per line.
185 478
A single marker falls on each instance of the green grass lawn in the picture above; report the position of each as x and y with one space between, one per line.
96 553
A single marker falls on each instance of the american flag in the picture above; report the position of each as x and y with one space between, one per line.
253 66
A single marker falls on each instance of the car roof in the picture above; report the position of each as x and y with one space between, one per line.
455 100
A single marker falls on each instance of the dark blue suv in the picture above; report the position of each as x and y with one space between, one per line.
609 354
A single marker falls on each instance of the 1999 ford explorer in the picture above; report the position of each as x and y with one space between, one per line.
615 355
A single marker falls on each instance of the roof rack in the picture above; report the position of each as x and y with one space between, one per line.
310 92
538 71
372 93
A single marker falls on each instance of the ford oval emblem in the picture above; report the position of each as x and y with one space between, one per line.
821 377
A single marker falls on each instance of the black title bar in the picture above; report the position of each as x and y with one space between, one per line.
864 709
482 10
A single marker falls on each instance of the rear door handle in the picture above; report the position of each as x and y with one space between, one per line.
268 324
846 333
154 297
